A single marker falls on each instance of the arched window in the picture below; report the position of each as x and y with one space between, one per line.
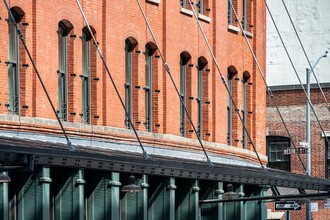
13 61
149 84
184 59
202 62
64 28
86 73
246 77
231 73
130 44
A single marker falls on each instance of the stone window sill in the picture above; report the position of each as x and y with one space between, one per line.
157 2
233 28
204 18
186 11
248 34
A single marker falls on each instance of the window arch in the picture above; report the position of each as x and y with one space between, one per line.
185 83
64 28
86 74
232 71
130 44
13 61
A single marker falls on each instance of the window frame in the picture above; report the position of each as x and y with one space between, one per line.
183 94
244 14
86 84
148 88
62 75
200 6
13 68
128 83
327 160
229 110
278 139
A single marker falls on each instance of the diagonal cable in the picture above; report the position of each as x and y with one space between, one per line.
145 155
224 83
303 48
21 37
269 91
172 80
295 70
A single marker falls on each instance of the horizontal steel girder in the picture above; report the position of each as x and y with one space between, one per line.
50 154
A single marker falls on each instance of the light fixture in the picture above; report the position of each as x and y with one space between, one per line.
230 194
131 186
4 178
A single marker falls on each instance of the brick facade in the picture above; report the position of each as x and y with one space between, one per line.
176 31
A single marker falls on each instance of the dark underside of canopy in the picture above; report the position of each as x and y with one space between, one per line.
18 152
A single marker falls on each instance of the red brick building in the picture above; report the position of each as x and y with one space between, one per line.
85 183
291 101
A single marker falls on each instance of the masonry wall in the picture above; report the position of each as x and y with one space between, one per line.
292 105
176 31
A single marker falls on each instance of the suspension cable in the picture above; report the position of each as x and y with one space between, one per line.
225 84
269 91
172 80
303 48
145 155
21 37
296 72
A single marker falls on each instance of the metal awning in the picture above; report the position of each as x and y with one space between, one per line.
13 151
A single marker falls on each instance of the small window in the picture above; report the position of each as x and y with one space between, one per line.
13 62
275 152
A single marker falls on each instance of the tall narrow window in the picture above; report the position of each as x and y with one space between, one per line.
246 77
231 73
244 20
183 3
183 97
229 111
150 49
130 44
201 65
184 58
230 13
200 6
64 27
86 71
232 4
13 62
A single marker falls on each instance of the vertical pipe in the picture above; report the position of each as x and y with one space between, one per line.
308 136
